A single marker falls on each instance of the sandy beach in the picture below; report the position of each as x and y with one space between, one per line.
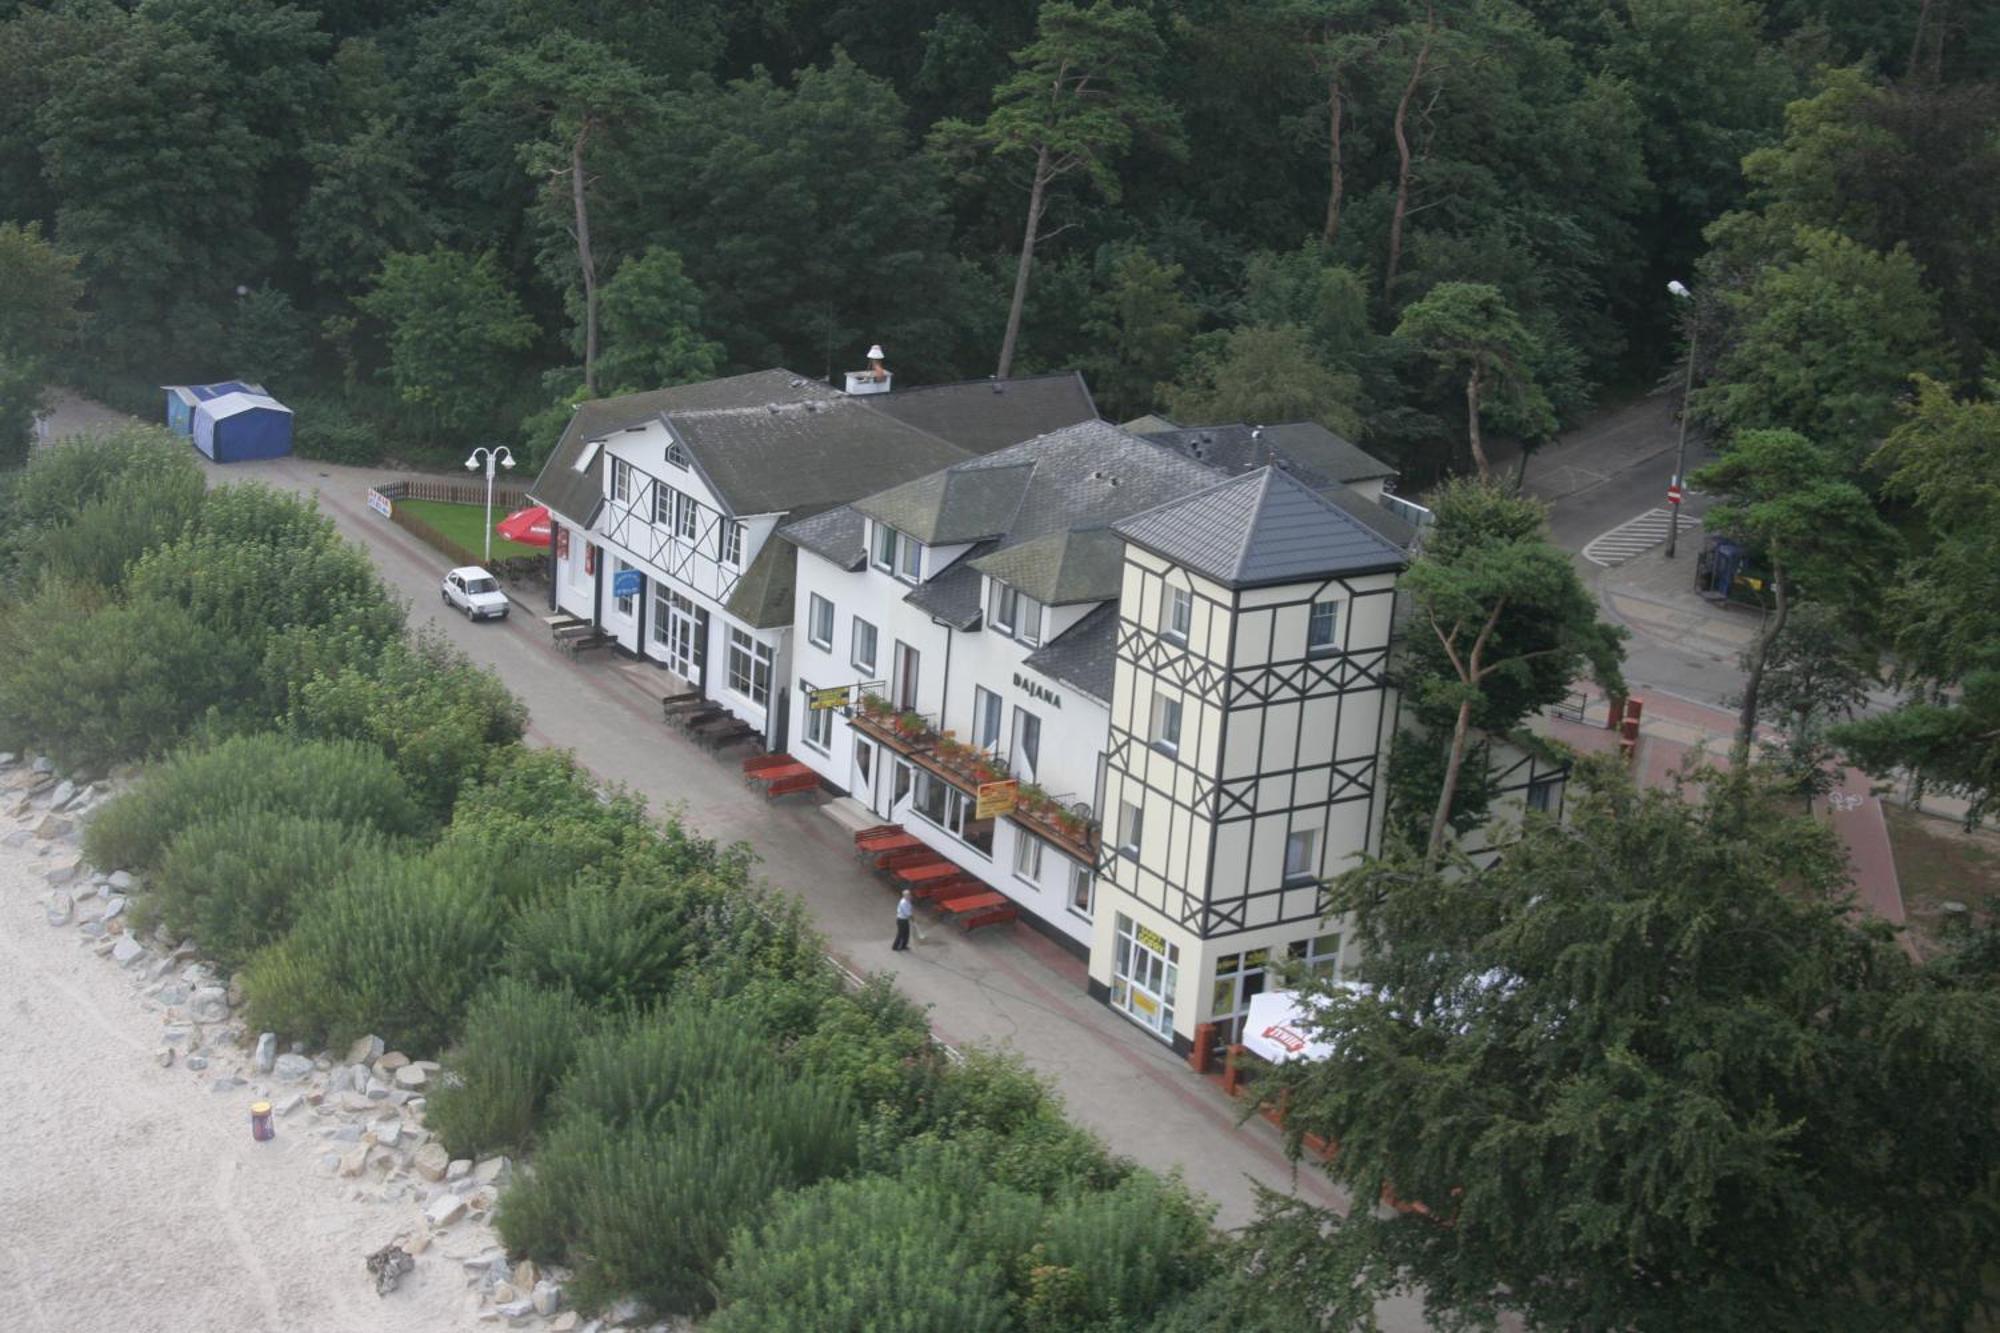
133 1197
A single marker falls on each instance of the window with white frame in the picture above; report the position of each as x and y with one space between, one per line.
676 454
1027 857
1177 615
749 667
1131 828
621 481
686 510
953 811
1082 889
819 622
1319 955
898 553
663 607
985 719
730 536
1166 724
1027 744
663 504
1015 614
1323 629
1299 848
819 721
624 603
861 653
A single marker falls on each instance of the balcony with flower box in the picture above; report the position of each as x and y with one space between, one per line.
1072 834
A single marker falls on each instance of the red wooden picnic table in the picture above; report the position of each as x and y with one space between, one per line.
935 870
974 902
779 772
898 843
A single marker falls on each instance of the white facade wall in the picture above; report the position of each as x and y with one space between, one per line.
953 666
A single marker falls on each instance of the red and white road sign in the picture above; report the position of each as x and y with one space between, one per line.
1674 493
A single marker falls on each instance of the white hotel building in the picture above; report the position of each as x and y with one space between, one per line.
1177 640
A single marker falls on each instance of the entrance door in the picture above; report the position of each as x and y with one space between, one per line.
864 770
681 638
1145 969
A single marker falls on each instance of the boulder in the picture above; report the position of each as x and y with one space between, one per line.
364 1050
291 1068
516 1309
53 827
355 1160
123 881
412 1077
164 1056
267 1052
113 906
388 1133
127 951
431 1161
547 1298
459 1169
61 907
492 1171
209 1004
42 764
290 1103
196 1062
63 871
390 1063
63 793
444 1210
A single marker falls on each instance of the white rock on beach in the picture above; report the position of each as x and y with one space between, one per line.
365 1050
291 1068
267 1052
61 908
210 1004
411 1076
431 1161
547 1298
127 951
122 881
444 1210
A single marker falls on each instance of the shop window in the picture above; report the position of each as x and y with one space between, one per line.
749 667
952 810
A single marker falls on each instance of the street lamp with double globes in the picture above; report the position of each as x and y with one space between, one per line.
1678 290
489 456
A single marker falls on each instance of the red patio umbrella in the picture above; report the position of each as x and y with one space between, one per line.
529 526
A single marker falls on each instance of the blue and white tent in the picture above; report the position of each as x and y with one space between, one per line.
236 427
183 399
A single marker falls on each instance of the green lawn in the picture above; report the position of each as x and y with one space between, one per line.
465 524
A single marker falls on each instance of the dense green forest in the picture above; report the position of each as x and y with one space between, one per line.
429 224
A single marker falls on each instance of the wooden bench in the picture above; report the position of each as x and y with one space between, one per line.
868 836
691 719
974 910
878 853
724 731
797 782
760 763
582 639
670 704
909 856
921 874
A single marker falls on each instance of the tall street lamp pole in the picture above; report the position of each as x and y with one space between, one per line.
490 456
1680 293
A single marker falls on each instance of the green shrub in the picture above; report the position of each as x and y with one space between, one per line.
236 881
872 1255
540 806
520 1041
342 781
436 715
58 483
1129 1252
324 429
398 948
140 508
123 682
614 949
672 1128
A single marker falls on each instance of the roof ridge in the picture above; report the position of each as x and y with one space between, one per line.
1261 478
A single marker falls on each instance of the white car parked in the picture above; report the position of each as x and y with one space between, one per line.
475 592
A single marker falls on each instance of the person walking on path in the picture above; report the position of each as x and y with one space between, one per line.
905 909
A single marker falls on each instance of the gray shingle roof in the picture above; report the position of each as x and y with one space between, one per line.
1081 565
952 507
839 535
1307 449
762 598
774 458
1265 527
981 416
576 495
1082 655
952 596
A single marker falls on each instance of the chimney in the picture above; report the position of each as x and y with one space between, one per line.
875 379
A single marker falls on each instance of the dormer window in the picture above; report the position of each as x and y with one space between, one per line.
675 454
898 553
1015 614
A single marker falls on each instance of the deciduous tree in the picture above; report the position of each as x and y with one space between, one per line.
453 328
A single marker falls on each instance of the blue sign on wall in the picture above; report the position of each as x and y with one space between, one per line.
625 583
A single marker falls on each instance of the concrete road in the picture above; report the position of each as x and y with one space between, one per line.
1009 988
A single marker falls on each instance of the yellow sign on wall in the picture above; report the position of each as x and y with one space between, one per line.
1152 939
996 799
833 698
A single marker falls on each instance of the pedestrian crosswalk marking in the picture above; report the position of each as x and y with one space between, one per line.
1630 538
